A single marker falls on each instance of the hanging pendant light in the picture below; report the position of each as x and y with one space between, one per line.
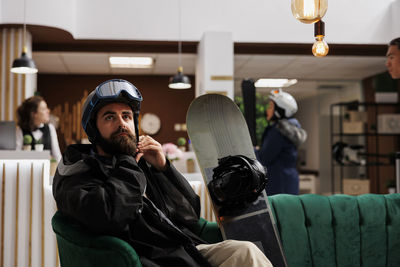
24 64
309 11
320 47
179 80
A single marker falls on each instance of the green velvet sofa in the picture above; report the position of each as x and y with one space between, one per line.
339 230
315 230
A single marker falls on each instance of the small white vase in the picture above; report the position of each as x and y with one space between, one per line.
39 147
391 190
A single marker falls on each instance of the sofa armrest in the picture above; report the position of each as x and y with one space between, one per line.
78 247
208 231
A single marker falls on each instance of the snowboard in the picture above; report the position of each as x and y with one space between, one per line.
217 128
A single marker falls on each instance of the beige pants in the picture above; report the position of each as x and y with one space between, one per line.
231 253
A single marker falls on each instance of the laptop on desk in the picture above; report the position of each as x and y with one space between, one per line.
7 135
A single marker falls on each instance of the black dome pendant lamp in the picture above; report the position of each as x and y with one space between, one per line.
179 80
24 64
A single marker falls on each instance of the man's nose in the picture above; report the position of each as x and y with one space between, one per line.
387 62
121 121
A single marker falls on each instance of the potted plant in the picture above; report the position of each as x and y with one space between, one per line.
190 165
181 142
27 140
39 145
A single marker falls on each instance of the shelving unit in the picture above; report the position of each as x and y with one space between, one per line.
376 150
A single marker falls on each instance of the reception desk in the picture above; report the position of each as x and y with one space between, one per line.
27 206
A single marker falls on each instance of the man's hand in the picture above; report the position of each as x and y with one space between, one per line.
152 152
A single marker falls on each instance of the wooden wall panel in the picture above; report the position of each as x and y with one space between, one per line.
7 77
12 86
15 92
1 73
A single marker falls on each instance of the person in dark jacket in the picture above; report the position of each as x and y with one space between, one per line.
123 185
280 140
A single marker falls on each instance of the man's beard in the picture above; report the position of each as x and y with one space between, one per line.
119 144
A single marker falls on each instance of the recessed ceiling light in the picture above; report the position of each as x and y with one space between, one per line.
131 62
275 83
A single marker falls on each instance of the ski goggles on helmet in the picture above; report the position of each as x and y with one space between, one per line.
111 90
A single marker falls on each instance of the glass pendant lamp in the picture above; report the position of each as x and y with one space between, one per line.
309 11
320 47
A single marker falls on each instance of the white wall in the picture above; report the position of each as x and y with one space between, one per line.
356 21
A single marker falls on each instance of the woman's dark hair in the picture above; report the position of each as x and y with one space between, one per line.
395 42
24 112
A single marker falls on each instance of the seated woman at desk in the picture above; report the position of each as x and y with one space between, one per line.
33 119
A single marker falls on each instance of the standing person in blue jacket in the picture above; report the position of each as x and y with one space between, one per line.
279 143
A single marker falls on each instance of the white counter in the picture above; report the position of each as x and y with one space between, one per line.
22 154
181 164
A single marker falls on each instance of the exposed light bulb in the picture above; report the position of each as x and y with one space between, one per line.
309 11
320 48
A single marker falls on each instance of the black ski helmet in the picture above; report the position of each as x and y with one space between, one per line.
237 182
337 151
111 91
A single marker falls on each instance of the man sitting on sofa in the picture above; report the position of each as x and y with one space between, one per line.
123 186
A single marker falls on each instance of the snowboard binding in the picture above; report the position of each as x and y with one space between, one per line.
237 182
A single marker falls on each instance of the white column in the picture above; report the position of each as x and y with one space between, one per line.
214 67
395 8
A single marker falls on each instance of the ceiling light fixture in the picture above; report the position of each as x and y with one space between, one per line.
24 64
131 62
312 11
179 81
274 83
320 48
309 11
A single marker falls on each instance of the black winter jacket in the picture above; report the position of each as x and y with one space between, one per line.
117 196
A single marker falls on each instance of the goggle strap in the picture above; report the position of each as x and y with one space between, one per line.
136 120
